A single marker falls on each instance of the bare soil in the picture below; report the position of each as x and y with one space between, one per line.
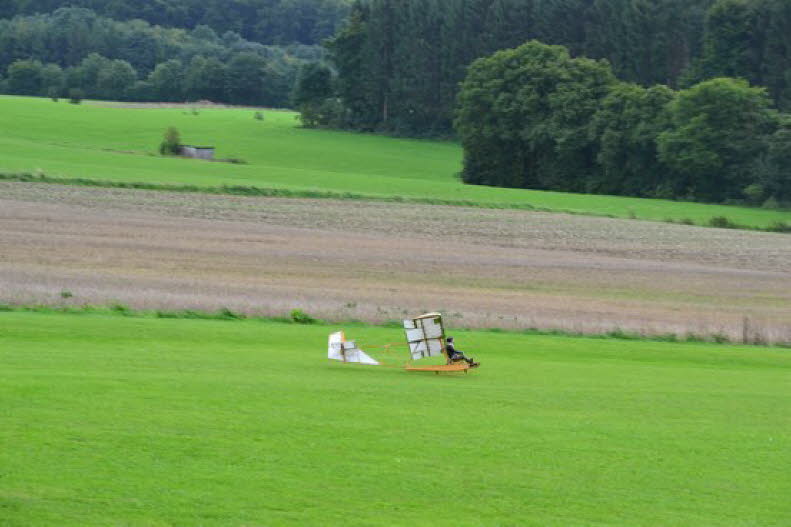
374 262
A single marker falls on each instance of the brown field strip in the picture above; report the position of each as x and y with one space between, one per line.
375 262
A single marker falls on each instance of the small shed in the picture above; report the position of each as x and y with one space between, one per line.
198 152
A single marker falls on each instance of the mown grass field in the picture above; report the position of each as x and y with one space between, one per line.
123 421
118 144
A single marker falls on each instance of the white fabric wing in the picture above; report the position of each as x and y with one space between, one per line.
334 345
425 336
418 349
359 356
432 328
338 349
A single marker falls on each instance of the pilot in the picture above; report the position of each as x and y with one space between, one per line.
456 355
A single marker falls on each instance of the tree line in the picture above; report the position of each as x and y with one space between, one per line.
266 21
399 62
534 117
76 49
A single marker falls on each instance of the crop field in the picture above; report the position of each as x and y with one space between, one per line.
107 420
101 142
343 260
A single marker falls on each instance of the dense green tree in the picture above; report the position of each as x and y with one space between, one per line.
626 128
750 39
524 116
726 48
313 97
400 62
245 78
278 83
205 79
534 117
76 95
24 77
773 170
314 84
53 79
115 78
350 56
142 91
84 44
719 128
86 75
167 81
265 21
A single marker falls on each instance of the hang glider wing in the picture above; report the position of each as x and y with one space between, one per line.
347 351
425 335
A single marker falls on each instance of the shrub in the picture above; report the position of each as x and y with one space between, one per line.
227 314
53 93
259 116
754 192
779 226
121 309
76 95
171 143
300 317
722 222
720 338
771 203
66 294
329 112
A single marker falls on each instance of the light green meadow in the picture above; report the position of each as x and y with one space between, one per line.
119 144
106 420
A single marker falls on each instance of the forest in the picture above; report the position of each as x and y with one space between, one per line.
266 21
671 99
74 50
681 99
534 117
400 62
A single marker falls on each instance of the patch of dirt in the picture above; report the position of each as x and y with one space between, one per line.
375 262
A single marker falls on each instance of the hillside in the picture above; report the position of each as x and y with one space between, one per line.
118 144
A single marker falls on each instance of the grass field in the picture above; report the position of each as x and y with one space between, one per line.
120 421
117 144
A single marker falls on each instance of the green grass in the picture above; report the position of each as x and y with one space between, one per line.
108 420
118 145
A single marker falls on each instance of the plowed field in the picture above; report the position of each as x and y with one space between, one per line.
375 262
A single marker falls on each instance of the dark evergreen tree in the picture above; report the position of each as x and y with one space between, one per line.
400 61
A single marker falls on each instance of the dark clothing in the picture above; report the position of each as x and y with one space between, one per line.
454 354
